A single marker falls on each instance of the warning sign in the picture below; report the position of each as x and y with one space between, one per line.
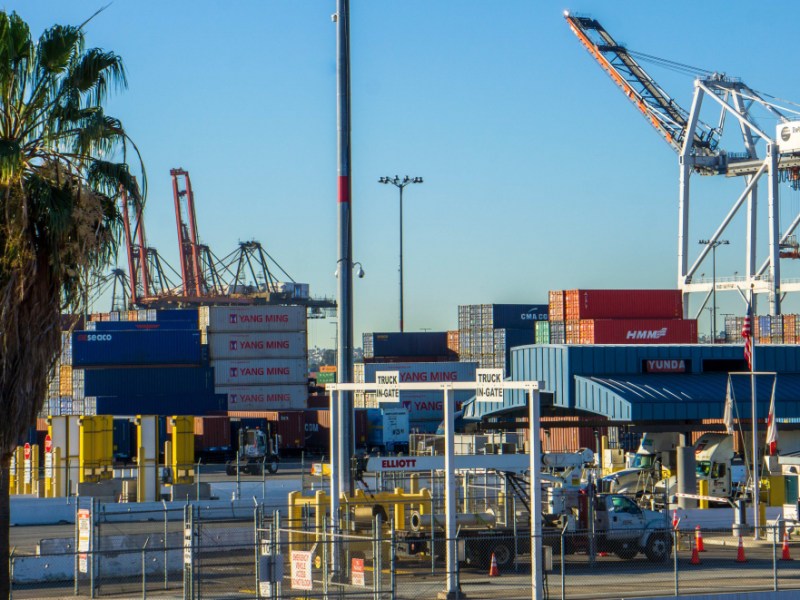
357 572
84 538
388 389
301 570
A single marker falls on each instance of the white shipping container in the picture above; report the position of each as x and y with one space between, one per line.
261 344
236 319
395 427
261 371
265 397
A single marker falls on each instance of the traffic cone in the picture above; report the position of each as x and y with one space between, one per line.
785 551
675 519
695 560
698 540
740 557
493 570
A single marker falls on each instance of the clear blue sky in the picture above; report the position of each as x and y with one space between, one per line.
539 174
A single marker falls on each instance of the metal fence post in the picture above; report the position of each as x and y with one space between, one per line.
144 569
264 478
92 545
775 534
166 530
675 558
433 534
197 479
257 549
393 566
75 549
325 524
563 565
11 573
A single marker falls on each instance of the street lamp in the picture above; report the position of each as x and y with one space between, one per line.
401 184
714 245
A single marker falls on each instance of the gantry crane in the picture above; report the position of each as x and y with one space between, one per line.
697 146
243 277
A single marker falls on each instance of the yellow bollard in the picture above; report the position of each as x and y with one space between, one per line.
702 490
35 470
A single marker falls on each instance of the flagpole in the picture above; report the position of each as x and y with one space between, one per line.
756 514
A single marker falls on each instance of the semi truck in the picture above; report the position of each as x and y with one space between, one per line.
644 467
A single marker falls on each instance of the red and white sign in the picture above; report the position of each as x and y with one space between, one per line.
357 572
301 570
48 443
84 538
27 449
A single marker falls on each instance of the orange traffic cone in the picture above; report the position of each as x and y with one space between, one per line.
740 557
695 560
675 519
785 551
698 540
493 570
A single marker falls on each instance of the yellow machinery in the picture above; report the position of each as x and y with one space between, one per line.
96 448
180 457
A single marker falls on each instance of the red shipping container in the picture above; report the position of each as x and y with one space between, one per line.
318 431
639 331
623 304
211 432
319 401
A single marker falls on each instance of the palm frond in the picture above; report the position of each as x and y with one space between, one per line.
57 47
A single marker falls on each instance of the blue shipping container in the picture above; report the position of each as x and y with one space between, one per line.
141 325
148 380
518 316
425 343
165 347
166 405
178 314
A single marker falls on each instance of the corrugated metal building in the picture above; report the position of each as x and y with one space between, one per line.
664 383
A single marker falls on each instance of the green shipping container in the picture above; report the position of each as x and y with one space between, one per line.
542 332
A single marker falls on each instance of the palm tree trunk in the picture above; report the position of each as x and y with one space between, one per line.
5 519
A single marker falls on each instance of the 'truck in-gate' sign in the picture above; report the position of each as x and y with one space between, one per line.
387 386
489 385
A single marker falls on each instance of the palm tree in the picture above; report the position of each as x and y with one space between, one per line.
63 162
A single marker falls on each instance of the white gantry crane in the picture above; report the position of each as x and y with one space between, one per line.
762 156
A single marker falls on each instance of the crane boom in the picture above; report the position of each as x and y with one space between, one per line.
663 113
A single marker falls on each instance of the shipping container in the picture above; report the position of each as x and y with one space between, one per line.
124 440
166 405
148 380
542 332
141 325
506 339
638 331
170 347
451 357
265 397
555 305
452 341
623 304
407 344
263 371
572 332
569 439
212 434
236 319
279 344
189 315
288 425
318 431
319 401
501 316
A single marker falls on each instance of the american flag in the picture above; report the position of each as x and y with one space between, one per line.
748 342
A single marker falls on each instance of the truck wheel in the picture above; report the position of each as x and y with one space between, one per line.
503 554
626 550
658 548
272 464
230 469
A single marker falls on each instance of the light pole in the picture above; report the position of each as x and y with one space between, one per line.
714 245
401 184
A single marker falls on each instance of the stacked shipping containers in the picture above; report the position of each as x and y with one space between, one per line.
487 332
144 362
259 356
766 329
618 317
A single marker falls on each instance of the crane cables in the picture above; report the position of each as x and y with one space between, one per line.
671 64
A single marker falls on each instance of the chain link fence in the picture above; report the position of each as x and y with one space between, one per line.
194 552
